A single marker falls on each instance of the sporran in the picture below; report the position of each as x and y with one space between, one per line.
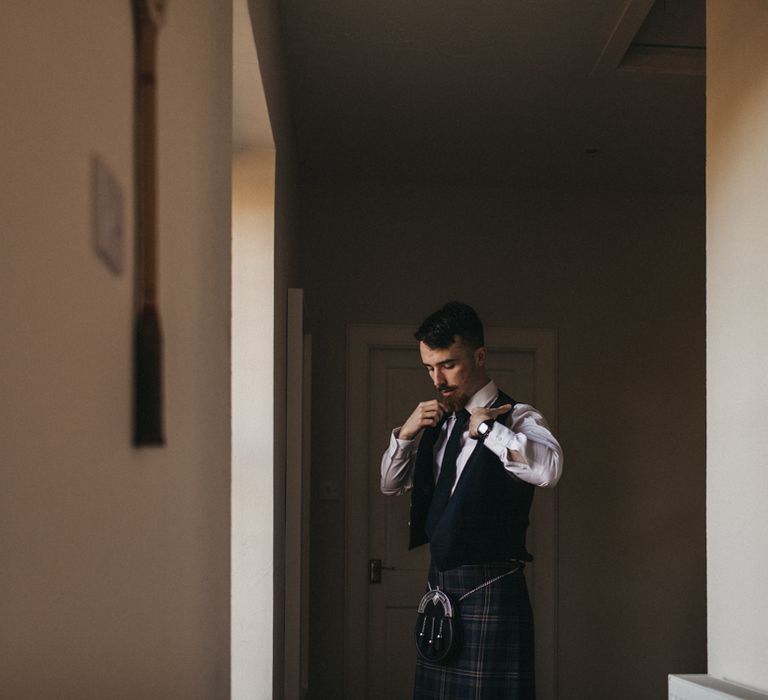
437 628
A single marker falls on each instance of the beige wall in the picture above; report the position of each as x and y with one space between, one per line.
737 323
253 279
621 279
265 17
115 561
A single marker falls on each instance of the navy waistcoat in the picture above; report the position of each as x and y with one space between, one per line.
486 518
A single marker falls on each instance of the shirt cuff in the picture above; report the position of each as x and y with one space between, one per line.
501 439
398 447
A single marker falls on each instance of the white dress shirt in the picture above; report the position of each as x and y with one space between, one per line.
524 444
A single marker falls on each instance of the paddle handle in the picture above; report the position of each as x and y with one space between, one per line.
148 377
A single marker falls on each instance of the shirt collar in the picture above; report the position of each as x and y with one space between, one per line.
483 397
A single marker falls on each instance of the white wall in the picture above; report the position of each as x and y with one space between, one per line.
737 338
253 279
114 580
267 29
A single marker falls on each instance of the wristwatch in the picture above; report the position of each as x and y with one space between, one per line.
483 429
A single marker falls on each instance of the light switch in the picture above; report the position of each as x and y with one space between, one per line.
107 218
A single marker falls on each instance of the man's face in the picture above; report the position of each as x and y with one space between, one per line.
456 371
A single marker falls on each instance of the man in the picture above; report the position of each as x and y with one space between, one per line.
470 499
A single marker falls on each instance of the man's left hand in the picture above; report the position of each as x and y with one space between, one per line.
480 415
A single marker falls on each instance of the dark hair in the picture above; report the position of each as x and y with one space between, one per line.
439 330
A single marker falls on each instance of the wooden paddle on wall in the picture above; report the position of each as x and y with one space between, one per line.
148 375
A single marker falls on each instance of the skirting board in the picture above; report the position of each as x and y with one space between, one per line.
704 687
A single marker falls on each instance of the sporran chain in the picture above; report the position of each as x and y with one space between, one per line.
482 585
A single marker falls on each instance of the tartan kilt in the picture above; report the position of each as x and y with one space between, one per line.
495 661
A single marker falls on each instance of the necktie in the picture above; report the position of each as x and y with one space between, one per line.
447 472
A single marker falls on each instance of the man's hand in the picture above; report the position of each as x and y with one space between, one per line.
480 415
427 415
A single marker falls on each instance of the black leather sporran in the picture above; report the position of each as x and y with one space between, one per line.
437 629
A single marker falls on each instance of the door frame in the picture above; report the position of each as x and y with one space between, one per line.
297 499
361 340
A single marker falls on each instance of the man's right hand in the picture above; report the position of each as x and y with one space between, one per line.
427 415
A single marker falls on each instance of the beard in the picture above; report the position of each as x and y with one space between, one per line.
454 402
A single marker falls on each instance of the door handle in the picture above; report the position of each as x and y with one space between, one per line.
374 570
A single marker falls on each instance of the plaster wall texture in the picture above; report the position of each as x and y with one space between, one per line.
253 279
115 575
737 333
